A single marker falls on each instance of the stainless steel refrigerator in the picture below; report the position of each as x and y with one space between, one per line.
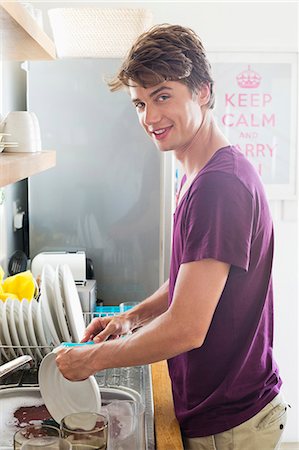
103 196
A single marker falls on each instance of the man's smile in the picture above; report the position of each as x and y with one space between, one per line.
160 133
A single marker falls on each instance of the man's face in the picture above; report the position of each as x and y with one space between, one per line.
169 113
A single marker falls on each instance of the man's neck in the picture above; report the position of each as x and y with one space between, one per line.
207 140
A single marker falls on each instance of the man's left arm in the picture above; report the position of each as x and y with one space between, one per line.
181 328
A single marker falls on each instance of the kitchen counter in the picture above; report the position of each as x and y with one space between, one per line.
167 430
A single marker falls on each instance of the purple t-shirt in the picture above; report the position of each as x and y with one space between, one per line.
224 215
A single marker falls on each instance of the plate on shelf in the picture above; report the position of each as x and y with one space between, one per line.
48 322
72 303
23 327
70 396
6 330
61 313
32 334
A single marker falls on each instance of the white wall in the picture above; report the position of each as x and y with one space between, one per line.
249 26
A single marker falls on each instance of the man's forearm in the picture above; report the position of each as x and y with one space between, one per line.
150 308
160 339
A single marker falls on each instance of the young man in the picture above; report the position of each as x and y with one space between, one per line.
213 318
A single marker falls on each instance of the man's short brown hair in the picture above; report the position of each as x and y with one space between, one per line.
166 53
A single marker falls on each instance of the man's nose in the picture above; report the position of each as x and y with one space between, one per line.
151 115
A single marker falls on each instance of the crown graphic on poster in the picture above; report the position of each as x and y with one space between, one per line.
248 79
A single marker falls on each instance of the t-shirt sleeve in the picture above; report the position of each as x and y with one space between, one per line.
218 221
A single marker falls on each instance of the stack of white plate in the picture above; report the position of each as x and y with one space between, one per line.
35 327
4 143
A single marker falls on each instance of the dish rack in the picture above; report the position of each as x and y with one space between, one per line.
136 378
107 377
130 377
21 349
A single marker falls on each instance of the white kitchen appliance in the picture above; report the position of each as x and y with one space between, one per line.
87 289
88 295
75 260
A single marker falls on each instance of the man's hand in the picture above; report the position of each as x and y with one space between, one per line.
102 328
76 363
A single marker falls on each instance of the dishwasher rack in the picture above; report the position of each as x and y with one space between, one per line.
136 378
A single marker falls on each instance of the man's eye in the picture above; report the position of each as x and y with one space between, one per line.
162 98
139 105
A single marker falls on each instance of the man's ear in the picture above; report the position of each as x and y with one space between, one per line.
204 94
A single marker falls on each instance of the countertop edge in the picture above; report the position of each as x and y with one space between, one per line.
167 430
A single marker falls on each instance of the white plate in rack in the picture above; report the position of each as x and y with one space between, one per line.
23 327
61 313
36 313
48 280
47 318
72 303
12 309
6 331
32 335
4 352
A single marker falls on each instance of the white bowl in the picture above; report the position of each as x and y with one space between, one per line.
23 128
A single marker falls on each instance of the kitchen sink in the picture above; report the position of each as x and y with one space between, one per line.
131 383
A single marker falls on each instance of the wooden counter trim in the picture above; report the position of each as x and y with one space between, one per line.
167 430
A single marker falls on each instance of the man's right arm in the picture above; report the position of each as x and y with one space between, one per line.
150 308
101 328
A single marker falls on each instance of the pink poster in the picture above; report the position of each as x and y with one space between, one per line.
256 107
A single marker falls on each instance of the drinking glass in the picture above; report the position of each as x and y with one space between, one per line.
125 306
40 431
126 429
85 431
46 443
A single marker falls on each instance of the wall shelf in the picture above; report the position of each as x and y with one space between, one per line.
21 36
17 166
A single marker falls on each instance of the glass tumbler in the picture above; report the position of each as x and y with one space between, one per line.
125 306
23 435
126 429
46 443
85 431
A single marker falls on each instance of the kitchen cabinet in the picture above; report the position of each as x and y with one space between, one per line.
21 36
17 166
167 430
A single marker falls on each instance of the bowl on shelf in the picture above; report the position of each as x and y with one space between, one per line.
24 131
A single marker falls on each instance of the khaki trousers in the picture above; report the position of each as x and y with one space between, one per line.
261 432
